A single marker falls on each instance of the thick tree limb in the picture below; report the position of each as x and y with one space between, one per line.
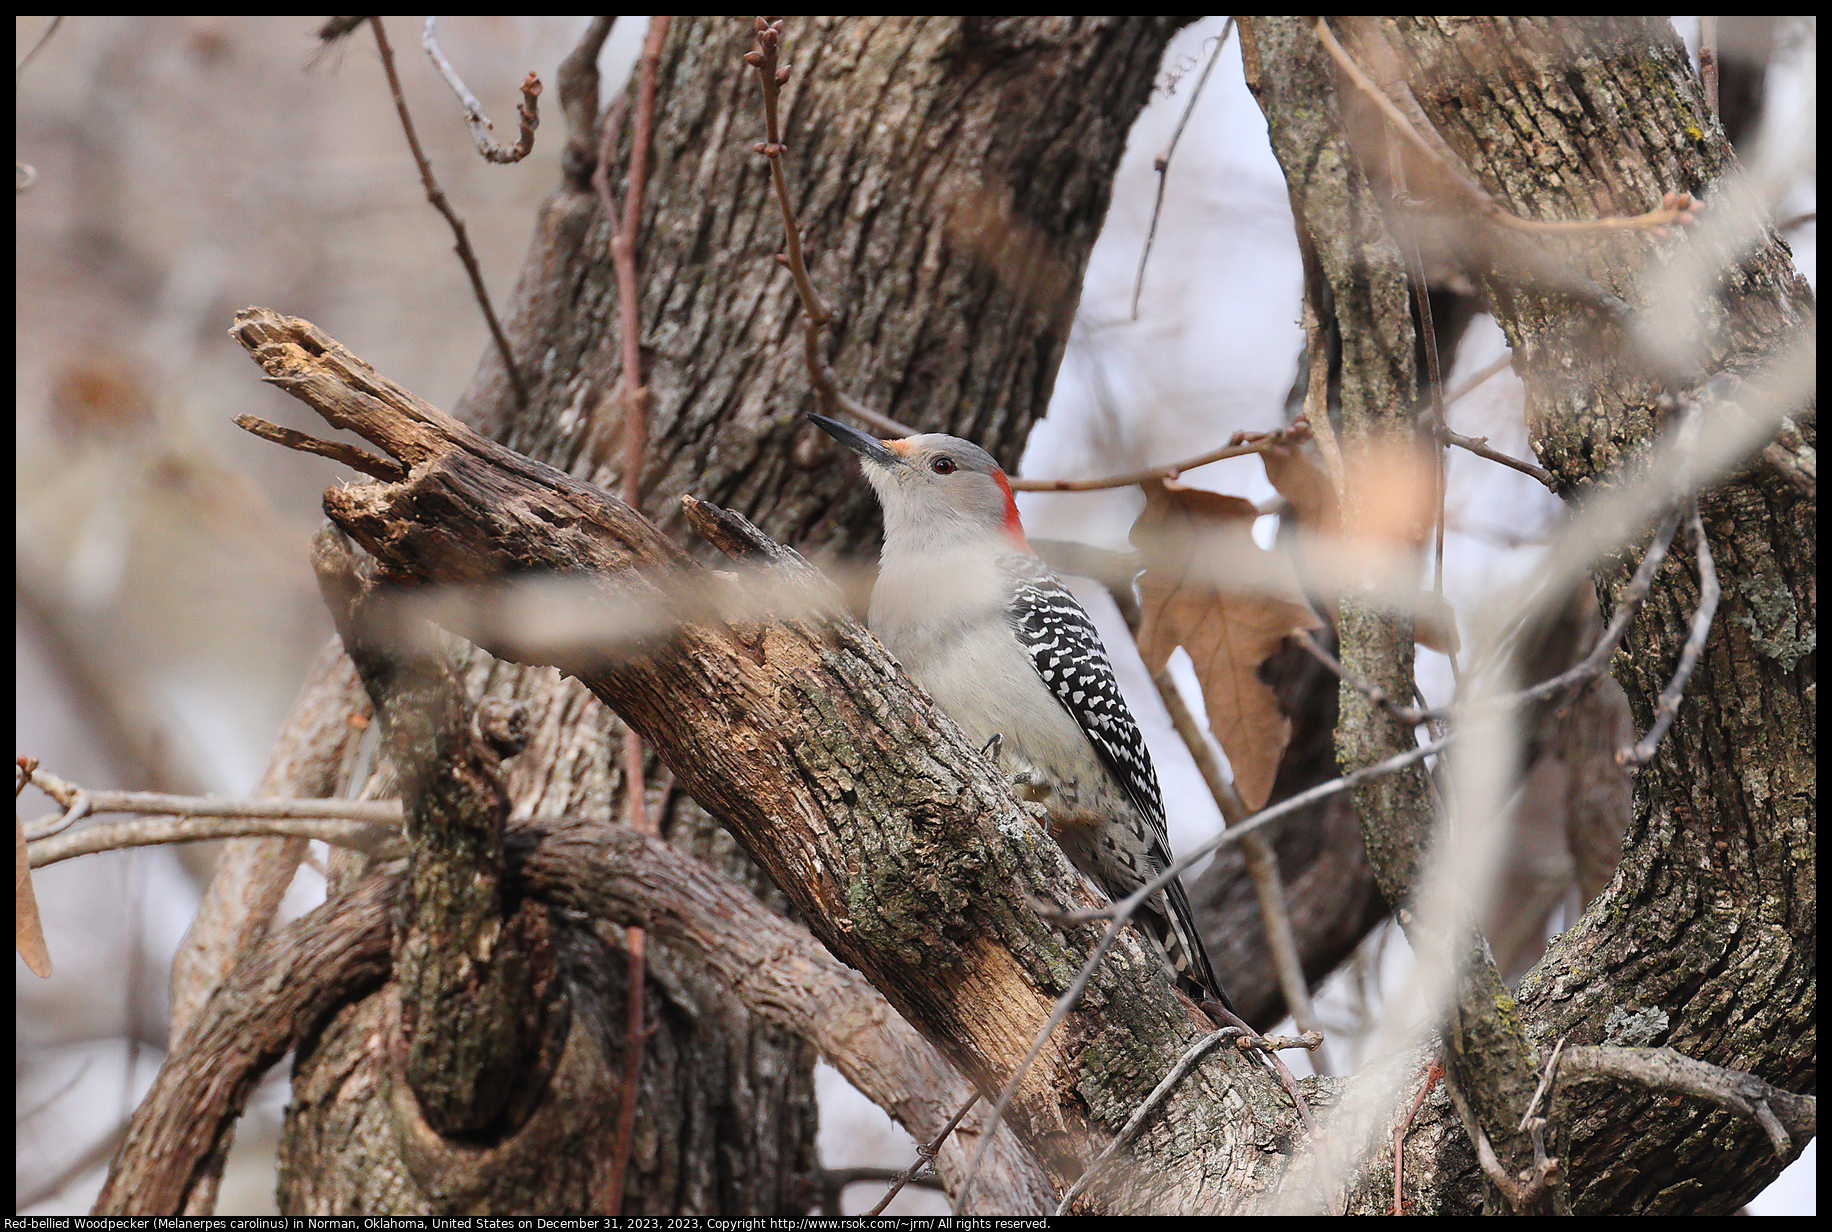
288 983
902 848
777 968
613 875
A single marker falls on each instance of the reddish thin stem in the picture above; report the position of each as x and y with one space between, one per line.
635 444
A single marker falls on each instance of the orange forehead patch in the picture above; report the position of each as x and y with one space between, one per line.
899 447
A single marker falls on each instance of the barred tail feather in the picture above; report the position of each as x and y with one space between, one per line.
1183 946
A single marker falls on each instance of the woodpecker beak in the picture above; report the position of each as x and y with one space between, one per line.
864 444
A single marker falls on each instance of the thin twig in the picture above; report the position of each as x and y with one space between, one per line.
925 1156
1547 1080
1593 664
815 313
368 837
376 812
79 809
1628 603
1265 1051
352 456
1411 716
1479 446
1433 1072
1262 862
181 819
1161 164
461 241
1184 1065
474 118
830 1183
635 420
1668 706
1782 1115
1545 1165
1240 445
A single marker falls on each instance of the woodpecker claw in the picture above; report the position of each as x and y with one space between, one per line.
1036 810
991 750
1029 785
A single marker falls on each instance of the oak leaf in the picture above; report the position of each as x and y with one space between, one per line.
1229 603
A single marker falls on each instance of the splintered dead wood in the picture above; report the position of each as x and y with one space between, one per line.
901 846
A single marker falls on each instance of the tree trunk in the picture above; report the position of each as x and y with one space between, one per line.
951 176
1704 941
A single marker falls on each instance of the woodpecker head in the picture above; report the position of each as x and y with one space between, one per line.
934 487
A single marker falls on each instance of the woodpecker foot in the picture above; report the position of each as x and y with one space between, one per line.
1028 784
991 751
1038 811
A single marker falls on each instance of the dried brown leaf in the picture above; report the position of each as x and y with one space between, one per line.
28 933
1393 494
1393 497
1229 603
1298 478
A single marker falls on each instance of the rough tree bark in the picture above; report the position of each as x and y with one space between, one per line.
951 175
904 850
1705 939
954 174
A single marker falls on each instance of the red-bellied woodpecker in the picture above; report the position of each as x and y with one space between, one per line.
1002 646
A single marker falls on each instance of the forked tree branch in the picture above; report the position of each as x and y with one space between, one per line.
895 839
611 875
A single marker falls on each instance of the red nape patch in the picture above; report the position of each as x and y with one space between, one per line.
1013 527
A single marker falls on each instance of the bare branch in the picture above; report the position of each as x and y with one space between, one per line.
925 1155
1409 715
366 837
372 812
635 398
1480 447
1782 1115
474 118
1667 708
436 195
1241 444
352 457
771 75
1161 164
1188 1061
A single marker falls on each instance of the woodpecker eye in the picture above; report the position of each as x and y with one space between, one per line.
942 466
